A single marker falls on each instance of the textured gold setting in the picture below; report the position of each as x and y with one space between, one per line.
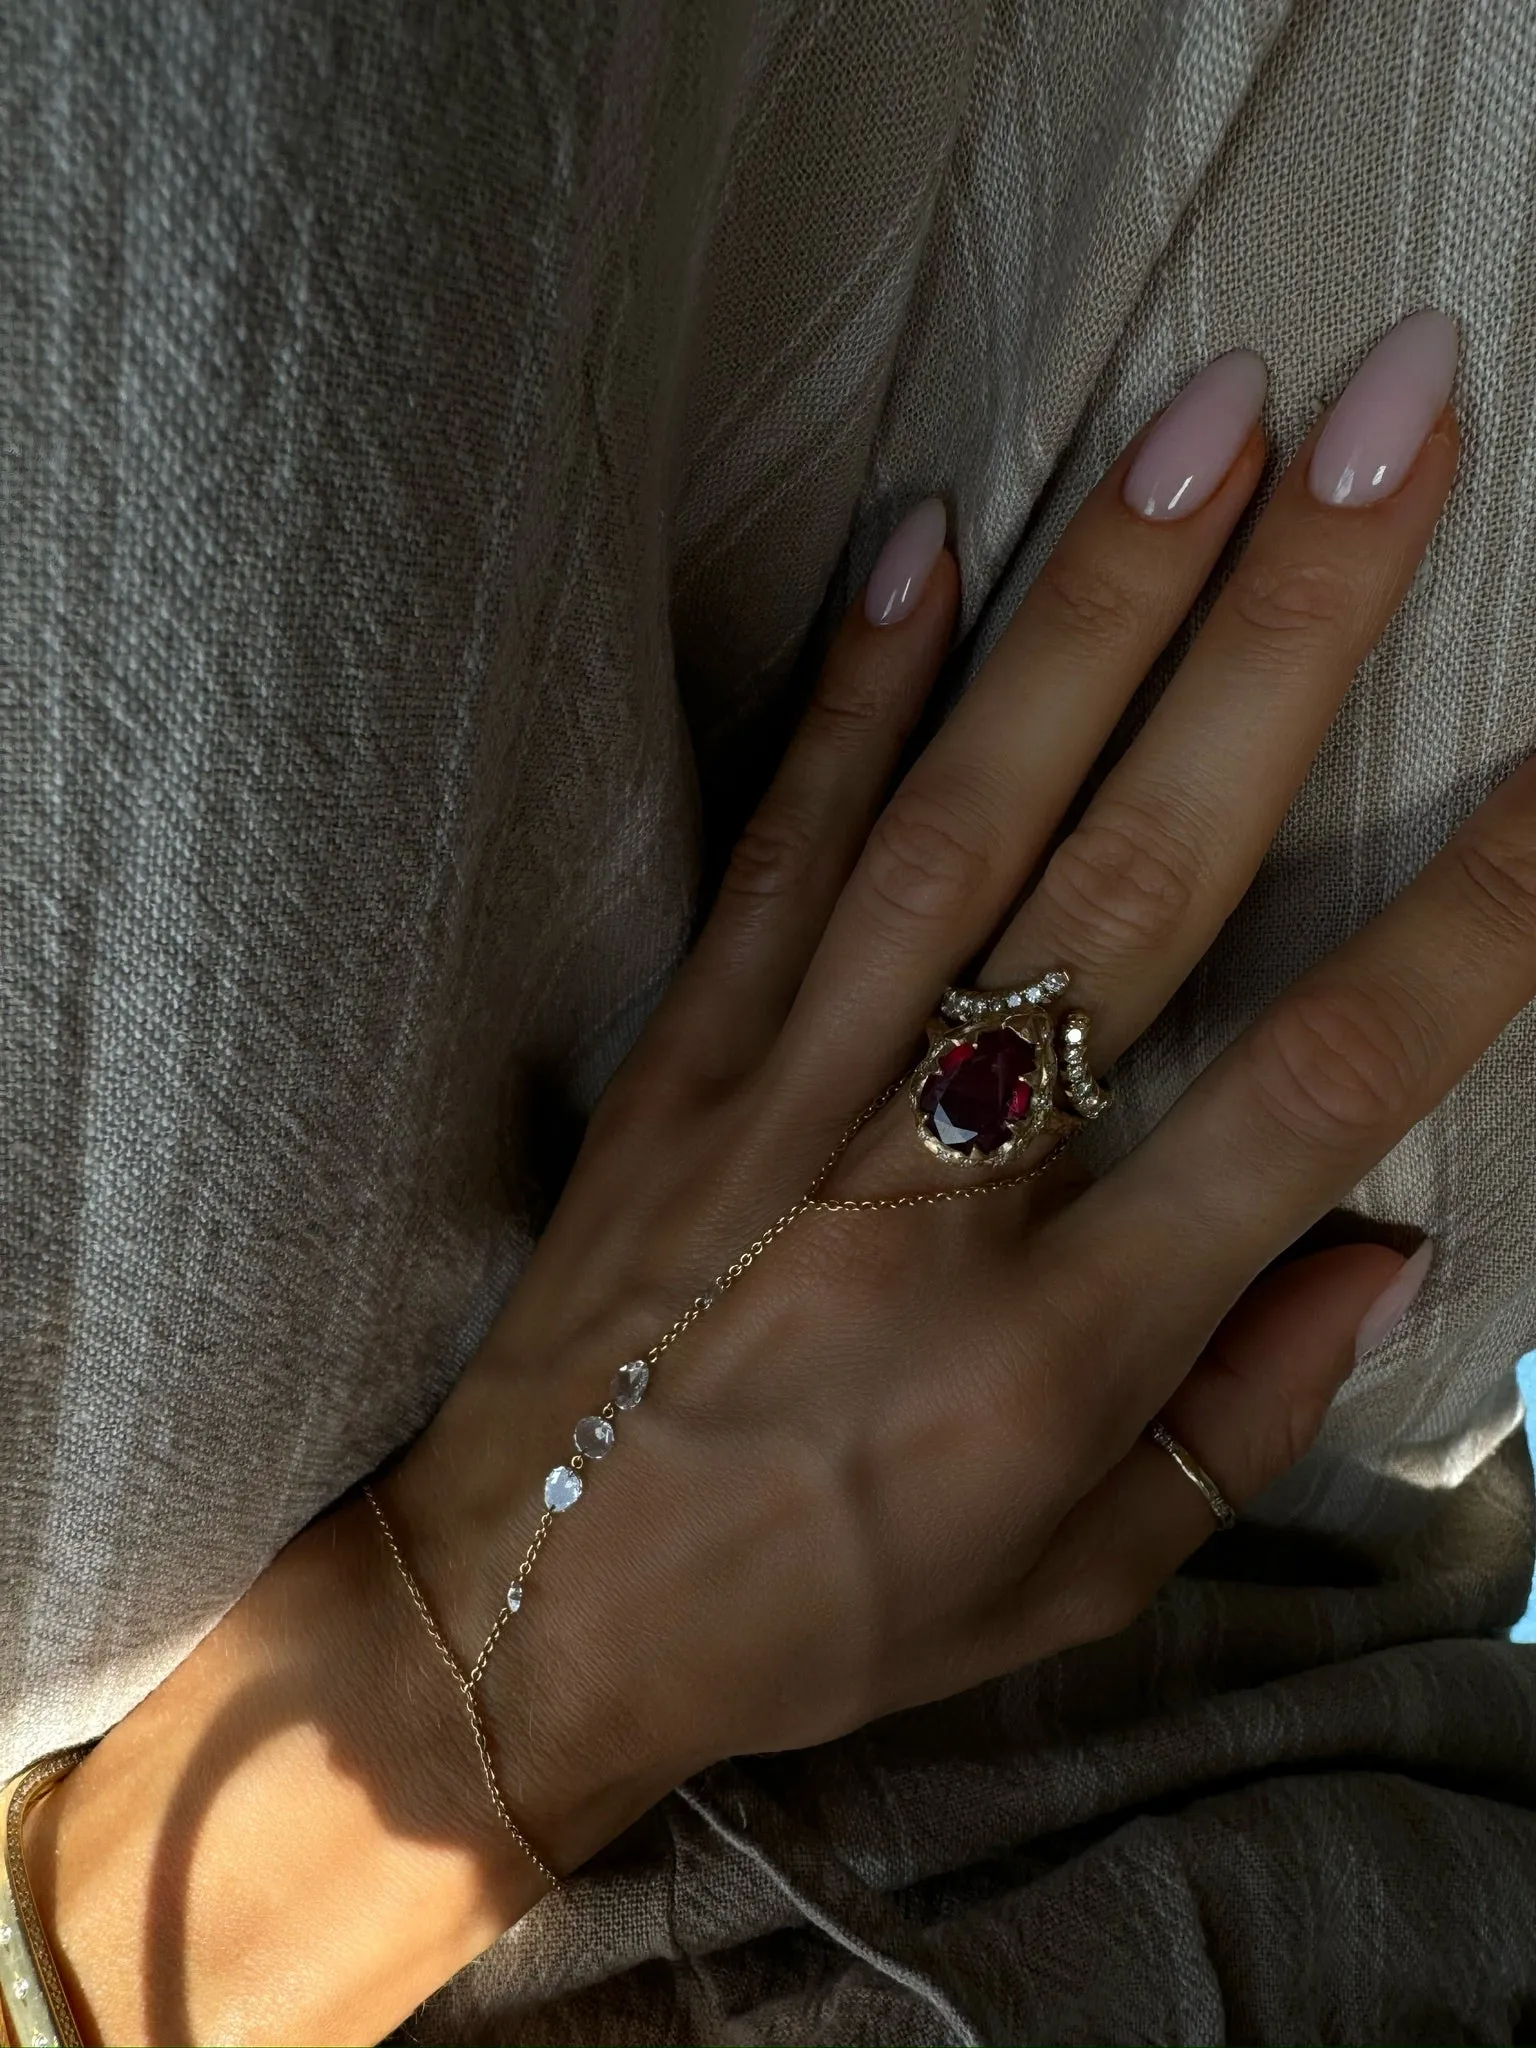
1034 1028
1061 1056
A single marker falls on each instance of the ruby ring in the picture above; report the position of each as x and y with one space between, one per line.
996 1063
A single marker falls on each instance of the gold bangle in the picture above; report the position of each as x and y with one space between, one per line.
32 1996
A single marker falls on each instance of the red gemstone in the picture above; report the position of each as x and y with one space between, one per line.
978 1091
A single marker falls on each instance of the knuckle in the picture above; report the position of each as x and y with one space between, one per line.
1123 882
850 705
926 858
1085 602
1500 879
771 859
1332 1064
1279 601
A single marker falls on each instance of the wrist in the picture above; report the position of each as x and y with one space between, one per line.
286 1840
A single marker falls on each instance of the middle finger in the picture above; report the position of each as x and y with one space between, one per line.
948 855
1136 894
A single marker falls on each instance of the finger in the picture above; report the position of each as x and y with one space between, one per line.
948 854
1281 1128
1134 896
730 999
1247 1412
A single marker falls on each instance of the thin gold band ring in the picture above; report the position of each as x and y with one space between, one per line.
1196 1473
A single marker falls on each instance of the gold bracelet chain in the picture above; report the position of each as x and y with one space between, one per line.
627 1395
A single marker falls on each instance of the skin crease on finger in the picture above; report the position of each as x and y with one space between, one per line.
833 1502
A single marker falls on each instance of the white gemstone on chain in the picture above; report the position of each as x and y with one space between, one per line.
629 1385
594 1436
514 1596
562 1489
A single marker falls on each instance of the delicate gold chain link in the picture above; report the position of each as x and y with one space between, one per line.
466 1692
811 1201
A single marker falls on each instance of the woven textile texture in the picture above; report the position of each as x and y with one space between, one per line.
435 440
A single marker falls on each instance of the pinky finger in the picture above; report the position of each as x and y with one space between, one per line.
1247 1412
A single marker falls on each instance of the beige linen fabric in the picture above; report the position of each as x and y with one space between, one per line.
429 436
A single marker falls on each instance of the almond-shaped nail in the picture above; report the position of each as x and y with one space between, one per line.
1197 438
1394 1300
905 563
1385 412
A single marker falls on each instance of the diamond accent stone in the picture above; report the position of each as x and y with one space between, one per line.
594 1436
978 1092
562 1489
22 1987
5 1933
1073 1034
629 1385
514 1596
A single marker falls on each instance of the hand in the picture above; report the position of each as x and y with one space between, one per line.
905 1451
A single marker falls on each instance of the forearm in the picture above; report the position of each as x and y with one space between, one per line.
289 1839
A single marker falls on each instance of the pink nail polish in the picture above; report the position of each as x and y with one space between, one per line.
1385 412
1197 438
1394 1300
905 564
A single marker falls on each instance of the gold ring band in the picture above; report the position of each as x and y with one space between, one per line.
1196 1473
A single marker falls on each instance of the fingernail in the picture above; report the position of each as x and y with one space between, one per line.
1197 438
905 564
1385 412
1394 1300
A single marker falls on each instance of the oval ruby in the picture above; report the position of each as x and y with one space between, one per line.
978 1091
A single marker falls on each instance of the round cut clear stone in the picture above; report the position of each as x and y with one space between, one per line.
562 1489
629 1385
22 1987
594 1436
514 1596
